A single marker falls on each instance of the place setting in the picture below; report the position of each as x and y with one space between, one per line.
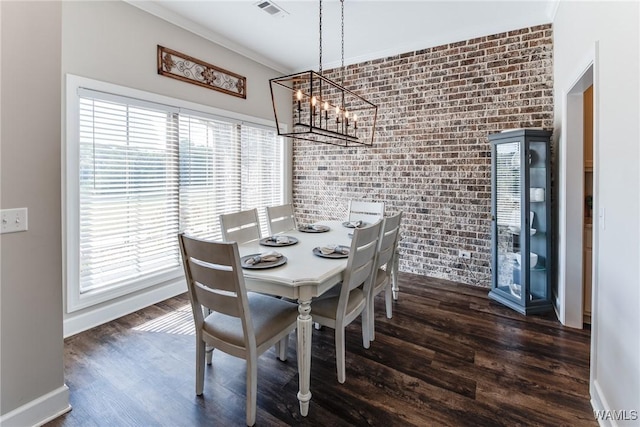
332 251
278 241
314 228
263 260
354 224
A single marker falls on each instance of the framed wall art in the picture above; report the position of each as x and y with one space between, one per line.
188 69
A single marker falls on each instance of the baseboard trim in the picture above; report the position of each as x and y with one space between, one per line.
599 404
86 319
39 411
596 400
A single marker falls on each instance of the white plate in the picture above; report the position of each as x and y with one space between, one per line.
515 289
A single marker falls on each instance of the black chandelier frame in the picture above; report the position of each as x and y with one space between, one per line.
323 110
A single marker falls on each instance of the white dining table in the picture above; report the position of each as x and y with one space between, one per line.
303 277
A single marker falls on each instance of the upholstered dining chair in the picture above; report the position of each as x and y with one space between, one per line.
384 267
240 227
367 212
240 324
341 308
280 218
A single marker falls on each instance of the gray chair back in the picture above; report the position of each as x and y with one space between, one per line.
240 227
280 219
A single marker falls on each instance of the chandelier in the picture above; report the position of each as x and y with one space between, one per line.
323 110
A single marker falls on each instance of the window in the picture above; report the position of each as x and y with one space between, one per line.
138 172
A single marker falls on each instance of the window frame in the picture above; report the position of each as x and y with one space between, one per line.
75 300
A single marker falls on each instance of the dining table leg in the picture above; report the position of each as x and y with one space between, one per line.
394 276
304 354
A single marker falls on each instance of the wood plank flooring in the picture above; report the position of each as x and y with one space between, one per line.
448 357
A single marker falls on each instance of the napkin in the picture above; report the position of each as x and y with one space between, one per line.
315 227
355 224
329 249
281 240
264 257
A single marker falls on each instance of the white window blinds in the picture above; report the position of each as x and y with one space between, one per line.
508 183
226 167
146 171
209 174
261 154
128 192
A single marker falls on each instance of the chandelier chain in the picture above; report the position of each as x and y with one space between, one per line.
320 60
342 41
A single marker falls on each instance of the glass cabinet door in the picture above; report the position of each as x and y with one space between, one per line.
538 226
508 211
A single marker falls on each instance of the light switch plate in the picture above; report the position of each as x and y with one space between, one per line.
13 220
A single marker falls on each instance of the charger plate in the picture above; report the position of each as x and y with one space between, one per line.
318 252
261 265
317 228
270 241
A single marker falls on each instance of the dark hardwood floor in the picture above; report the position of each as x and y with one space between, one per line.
449 356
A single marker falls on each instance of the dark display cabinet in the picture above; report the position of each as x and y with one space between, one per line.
521 220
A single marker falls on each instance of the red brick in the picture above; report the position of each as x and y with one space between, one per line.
431 155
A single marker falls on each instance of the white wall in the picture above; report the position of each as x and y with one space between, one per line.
31 373
115 42
614 26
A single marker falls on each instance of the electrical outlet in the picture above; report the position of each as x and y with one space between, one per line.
464 254
13 220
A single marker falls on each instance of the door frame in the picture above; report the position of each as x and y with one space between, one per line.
569 302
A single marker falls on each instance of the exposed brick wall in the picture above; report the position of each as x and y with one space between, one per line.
431 157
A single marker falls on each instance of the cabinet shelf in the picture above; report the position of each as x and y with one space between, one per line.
507 290
537 233
536 269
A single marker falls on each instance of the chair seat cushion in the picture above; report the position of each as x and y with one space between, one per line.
328 306
331 293
269 315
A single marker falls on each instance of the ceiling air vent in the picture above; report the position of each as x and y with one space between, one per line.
271 8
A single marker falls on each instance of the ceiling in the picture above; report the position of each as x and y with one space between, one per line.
289 41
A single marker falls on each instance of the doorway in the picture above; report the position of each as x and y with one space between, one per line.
574 266
587 240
